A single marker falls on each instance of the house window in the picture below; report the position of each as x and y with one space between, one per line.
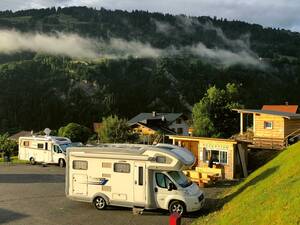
217 156
122 167
179 130
268 125
26 143
178 121
80 165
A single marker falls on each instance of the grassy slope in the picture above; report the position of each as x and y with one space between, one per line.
15 160
270 195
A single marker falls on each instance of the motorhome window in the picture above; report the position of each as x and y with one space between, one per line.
180 178
65 146
26 143
46 146
80 165
57 149
41 146
122 167
141 175
162 180
161 159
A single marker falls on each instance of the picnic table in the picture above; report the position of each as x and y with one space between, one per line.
204 175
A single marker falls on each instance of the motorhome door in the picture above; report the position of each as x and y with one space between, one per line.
161 182
139 191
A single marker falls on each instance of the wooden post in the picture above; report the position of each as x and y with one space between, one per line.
254 124
241 123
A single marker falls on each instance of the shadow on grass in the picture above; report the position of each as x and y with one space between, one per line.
213 205
7 216
32 178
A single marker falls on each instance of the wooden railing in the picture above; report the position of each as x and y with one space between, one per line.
290 136
268 143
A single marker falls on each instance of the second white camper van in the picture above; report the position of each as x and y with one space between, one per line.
139 176
44 149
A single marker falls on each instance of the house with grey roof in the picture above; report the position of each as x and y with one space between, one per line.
167 123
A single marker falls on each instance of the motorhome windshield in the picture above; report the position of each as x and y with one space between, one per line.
180 178
64 146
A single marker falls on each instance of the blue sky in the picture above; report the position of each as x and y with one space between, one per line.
274 13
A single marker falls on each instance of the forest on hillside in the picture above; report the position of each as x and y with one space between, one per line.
154 62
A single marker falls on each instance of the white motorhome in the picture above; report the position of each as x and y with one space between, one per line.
44 149
138 176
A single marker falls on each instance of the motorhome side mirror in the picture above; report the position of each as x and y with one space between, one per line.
171 187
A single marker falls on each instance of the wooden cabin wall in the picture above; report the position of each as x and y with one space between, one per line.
291 126
278 126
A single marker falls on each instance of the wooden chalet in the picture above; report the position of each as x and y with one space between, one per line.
228 154
274 126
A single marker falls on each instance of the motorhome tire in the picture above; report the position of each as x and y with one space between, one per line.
62 163
177 207
32 161
99 203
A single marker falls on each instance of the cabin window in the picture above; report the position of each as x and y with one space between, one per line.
80 165
217 156
179 130
268 125
122 167
162 180
40 146
26 143
141 176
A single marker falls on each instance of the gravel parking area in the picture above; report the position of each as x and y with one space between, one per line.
35 195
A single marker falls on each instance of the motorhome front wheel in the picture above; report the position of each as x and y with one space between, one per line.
99 203
178 207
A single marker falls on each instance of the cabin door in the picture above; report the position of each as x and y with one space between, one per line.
139 190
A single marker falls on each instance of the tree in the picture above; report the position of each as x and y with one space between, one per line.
76 132
7 146
213 115
115 130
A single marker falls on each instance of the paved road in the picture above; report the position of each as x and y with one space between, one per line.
32 195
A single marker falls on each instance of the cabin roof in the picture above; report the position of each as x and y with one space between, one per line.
287 115
281 108
144 117
195 138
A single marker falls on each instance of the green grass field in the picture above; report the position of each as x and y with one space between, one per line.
15 160
270 195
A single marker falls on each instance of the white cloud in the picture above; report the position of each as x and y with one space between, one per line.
74 46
